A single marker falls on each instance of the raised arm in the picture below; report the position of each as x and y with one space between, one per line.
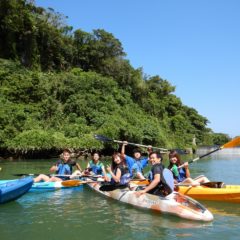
123 148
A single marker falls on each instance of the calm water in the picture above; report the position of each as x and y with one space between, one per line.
83 214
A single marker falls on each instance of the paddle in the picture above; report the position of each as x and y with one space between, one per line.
233 143
106 139
72 183
52 175
110 187
75 182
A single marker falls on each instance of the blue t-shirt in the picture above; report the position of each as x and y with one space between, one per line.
136 165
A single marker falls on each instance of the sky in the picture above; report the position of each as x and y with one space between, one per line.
193 44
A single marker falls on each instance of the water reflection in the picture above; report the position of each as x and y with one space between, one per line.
223 208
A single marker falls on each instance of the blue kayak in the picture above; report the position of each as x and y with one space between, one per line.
46 186
13 189
51 186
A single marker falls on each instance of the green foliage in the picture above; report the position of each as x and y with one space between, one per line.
77 84
220 138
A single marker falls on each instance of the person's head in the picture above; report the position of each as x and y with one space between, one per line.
66 155
116 159
137 153
155 157
174 158
95 156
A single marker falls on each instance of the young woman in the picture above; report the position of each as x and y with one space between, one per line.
118 171
181 171
95 166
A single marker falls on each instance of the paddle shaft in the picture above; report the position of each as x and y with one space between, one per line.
233 143
106 139
204 155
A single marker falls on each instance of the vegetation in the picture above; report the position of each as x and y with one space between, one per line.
58 88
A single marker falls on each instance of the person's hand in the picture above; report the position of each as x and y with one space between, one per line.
106 178
185 165
125 142
53 169
139 193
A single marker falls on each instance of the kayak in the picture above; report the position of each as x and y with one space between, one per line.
229 193
175 203
51 186
11 190
47 185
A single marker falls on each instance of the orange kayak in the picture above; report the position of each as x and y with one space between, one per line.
229 193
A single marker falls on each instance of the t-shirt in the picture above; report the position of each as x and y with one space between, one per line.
174 170
136 165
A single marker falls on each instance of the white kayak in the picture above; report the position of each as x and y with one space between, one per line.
175 203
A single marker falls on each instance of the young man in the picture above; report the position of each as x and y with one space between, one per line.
135 164
62 167
156 186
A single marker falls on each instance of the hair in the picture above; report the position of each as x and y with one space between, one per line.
173 153
157 153
113 165
137 150
96 153
66 150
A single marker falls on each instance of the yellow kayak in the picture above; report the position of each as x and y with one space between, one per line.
229 193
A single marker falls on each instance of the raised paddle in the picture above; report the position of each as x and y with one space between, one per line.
106 139
233 143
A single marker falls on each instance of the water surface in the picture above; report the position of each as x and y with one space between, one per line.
83 214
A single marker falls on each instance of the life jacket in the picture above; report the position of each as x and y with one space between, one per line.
96 168
125 176
166 185
64 169
182 175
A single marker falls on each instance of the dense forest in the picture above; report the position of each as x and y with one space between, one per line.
59 87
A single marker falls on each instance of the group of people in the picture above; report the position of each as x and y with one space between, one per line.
123 168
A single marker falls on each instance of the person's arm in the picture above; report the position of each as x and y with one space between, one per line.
78 167
187 170
86 170
123 149
149 149
116 177
152 185
54 168
144 161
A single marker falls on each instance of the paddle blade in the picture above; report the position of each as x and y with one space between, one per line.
111 187
233 143
102 138
72 183
24 174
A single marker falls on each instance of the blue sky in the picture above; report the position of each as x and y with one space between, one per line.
194 44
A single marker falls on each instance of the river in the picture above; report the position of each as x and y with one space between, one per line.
83 214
